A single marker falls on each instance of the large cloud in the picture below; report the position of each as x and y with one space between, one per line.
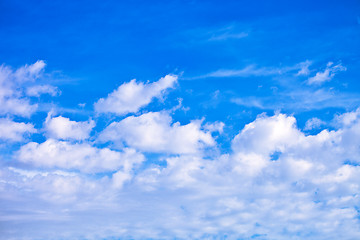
132 96
310 190
156 132
77 156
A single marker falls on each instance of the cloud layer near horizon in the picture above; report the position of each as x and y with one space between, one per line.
146 175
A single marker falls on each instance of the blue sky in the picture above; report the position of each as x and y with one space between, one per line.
243 121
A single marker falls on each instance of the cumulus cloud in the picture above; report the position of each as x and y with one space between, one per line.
77 156
19 85
310 189
12 97
14 131
348 118
63 128
326 75
267 134
132 96
274 182
156 132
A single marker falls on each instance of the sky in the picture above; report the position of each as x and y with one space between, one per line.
179 120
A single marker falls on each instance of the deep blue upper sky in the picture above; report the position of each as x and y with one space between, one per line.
95 47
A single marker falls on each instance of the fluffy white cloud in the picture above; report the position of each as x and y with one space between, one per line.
132 96
14 131
311 189
267 134
156 132
63 128
78 156
327 74
12 99
349 118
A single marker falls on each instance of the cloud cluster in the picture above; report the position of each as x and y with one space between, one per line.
15 101
149 176
311 188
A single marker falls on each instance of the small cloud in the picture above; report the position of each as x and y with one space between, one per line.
250 70
36 91
249 102
313 123
304 68
226 36
326 75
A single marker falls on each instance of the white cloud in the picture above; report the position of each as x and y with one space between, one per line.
227 36
156 132
308 192
132 96
14 131
30 72
36 91
326 75
304 68
313 123
78 156
250 70
299 100
249 102
348 118
12 99
266 135
63 128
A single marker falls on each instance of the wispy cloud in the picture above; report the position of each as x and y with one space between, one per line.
301 68
301 100
228 35
326 75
